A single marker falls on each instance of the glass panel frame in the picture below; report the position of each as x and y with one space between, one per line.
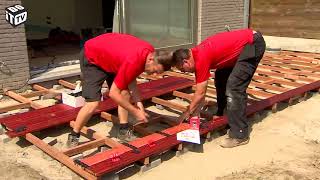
193 15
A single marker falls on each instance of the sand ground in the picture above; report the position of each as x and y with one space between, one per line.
284 145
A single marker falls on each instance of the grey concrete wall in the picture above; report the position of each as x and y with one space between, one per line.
214 15
13 51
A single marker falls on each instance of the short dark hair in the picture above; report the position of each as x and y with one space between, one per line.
179 55
165 59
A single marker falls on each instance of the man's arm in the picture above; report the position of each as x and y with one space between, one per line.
115 94
135 94
134 91
199 96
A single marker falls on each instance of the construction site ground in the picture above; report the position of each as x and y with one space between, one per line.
283 145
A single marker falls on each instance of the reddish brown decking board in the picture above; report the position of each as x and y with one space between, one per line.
118 158
21 124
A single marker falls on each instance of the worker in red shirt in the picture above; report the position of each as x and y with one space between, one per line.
117 59
235 55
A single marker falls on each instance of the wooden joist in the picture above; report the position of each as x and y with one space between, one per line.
23 100
53 152
67 84
14 107
169 104
84 147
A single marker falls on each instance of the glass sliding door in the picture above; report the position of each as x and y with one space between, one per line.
164 23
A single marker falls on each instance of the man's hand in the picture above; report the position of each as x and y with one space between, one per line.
140 116
141 107
184 116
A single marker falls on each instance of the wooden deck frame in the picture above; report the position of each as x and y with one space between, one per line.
152 143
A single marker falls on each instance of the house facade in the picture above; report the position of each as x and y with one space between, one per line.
167 24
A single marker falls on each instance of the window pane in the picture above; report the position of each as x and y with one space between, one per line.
162 23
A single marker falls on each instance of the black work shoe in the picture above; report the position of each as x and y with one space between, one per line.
72 141
230 142
126 135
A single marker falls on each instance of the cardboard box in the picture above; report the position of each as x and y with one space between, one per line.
74 101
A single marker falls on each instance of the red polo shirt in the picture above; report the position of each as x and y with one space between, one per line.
122 54
219 51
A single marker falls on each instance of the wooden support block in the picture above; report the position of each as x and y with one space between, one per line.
208 137
290 102
14 107
180 147
274 108
303 97
67 84
145 161
84 147
23 100
56 154
169 104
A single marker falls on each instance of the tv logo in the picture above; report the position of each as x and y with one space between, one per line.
16 15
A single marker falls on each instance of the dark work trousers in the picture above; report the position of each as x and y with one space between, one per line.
232 83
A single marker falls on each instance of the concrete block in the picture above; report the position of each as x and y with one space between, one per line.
160 107
110 176
151 165
4 138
